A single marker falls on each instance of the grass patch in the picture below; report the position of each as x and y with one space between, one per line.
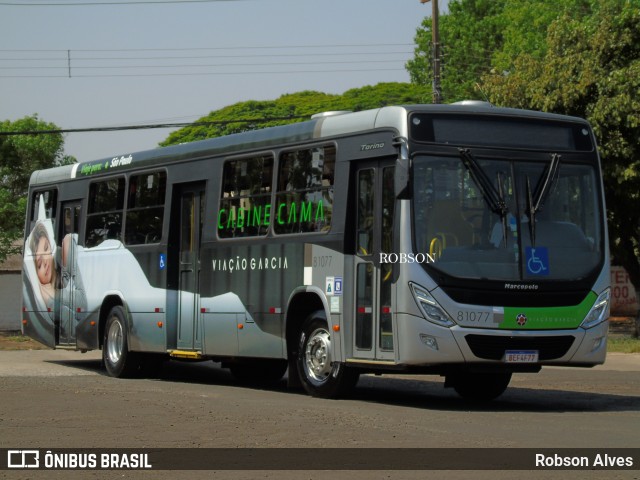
623 344
17 338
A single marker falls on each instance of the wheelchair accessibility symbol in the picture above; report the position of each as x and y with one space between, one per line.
537 260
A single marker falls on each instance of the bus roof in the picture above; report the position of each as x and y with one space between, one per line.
321 126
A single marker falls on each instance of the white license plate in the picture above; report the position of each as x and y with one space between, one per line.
521 356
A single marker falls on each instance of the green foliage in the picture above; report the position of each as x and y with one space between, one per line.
296 107
469 35
480 35
591 69
20 155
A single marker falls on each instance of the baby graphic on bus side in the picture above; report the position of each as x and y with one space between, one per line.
53 289
43 250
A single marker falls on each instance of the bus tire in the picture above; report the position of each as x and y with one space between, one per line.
319 375
260 373
479 387
117 359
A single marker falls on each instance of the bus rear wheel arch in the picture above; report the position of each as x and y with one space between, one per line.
319 374
117 359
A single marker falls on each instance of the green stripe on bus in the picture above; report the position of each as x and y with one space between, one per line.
539 318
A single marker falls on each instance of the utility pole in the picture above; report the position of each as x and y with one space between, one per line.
435 48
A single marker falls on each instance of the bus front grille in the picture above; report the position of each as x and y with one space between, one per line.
493 347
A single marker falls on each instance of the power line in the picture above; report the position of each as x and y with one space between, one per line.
276 64
84 3
198 57
120 62
200 74
242 47
152 126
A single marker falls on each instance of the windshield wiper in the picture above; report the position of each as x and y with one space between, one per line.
535 200
494 198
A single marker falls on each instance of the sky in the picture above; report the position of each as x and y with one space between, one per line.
130 62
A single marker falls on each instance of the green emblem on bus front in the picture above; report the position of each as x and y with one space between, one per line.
260 215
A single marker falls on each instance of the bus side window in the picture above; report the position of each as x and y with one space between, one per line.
104 215
48 198
245 199
145 208
304 198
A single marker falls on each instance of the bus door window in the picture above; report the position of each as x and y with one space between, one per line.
386 269
192 201
373 302
364 272
72 302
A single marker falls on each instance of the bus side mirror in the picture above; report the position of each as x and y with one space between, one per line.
402 185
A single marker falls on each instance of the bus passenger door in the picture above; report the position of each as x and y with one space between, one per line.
373 329
191 219
71 292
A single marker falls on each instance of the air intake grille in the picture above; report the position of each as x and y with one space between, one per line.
493 348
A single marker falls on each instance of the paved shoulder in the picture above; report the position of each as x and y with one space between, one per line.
621 362
48 363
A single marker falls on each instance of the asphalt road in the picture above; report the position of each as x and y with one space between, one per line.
58 399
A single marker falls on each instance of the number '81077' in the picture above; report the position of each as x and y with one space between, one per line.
471 316
322 261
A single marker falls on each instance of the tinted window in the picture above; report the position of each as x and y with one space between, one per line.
145 208
245 200
104 215
304 199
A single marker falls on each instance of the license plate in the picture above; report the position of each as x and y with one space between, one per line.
521 356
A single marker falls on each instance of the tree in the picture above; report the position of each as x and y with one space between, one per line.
591 69
469 34
296 107
480 35
20 155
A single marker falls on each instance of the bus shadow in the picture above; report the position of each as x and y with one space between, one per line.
87 365
432 395
402 392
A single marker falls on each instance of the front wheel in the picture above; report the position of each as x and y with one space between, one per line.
479 387
117 358
320 376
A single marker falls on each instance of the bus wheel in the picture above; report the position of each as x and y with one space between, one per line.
117 359
261 373
479 387
320 376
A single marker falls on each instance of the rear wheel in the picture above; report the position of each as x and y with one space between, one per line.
479 387
320 376
117 358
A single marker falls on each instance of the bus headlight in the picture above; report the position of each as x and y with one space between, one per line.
429 307
599 312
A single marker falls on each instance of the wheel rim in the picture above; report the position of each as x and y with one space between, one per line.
317 356
115 342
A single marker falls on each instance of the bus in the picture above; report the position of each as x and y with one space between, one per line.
463 240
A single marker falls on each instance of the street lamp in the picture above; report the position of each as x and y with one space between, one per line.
435 46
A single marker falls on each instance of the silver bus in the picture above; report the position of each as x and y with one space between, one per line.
458 240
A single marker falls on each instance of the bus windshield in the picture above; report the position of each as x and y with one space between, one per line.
506 219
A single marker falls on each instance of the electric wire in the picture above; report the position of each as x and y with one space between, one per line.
152 126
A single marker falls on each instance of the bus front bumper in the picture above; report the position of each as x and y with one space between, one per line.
426 344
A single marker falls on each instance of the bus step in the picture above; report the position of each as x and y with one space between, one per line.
190 354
